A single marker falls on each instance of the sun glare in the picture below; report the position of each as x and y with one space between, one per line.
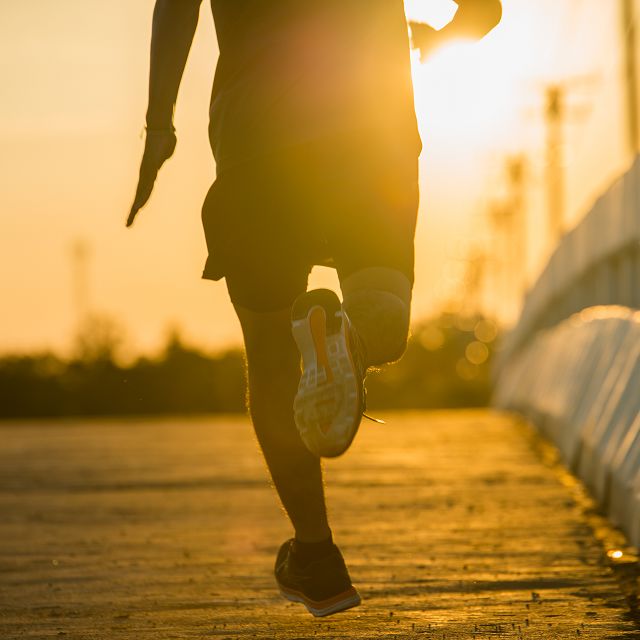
468 91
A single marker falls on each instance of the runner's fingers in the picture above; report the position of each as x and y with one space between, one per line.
158 149
424 38
143 192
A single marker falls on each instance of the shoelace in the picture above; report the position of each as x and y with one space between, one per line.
359 358
376 420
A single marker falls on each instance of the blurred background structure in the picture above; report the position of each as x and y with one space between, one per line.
522 133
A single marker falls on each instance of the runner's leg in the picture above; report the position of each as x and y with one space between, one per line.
378 301
274 372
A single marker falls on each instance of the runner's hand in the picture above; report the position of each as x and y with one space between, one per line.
425 38
158 147
473 20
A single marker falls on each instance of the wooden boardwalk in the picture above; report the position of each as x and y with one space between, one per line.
452 524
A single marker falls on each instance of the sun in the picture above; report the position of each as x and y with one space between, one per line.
467 92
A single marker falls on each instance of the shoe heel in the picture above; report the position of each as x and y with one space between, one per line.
324 298
303 336
315 315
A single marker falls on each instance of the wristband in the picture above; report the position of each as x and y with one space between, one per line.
156 131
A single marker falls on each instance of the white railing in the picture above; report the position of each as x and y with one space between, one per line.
596 263
572 363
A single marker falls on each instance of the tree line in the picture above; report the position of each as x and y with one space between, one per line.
447 364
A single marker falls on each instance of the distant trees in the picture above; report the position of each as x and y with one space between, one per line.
447 364
180 380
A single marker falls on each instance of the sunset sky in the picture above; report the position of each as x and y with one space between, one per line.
74 85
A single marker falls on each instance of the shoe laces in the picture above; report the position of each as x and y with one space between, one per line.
358 352
376 420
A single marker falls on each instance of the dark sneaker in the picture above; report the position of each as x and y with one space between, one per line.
323 586
330 399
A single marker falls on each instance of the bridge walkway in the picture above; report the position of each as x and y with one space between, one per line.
456 525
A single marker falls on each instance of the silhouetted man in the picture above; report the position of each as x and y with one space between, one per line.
314 134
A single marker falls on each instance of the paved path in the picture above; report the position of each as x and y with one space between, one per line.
451 523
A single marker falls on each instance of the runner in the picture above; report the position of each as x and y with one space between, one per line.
314 134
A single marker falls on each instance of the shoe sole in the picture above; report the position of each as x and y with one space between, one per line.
341 602
328 377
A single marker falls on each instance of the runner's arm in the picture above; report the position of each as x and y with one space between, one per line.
174 25
473 19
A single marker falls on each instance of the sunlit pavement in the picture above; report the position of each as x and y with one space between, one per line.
452 524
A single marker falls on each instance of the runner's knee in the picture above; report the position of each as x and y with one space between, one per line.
379 279
382 322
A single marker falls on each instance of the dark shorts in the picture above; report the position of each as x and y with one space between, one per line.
344 203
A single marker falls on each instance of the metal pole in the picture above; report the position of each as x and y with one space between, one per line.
80 252
554 115
516 175
630 79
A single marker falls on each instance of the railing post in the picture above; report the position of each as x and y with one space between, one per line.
604 278
635 275
625 279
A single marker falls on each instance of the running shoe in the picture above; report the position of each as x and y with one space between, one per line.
323 585
330 401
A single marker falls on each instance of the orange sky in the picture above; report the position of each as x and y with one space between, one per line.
74 97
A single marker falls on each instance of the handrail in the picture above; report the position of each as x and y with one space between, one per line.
572 363
596 263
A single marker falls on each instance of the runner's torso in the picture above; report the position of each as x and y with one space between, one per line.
292 71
